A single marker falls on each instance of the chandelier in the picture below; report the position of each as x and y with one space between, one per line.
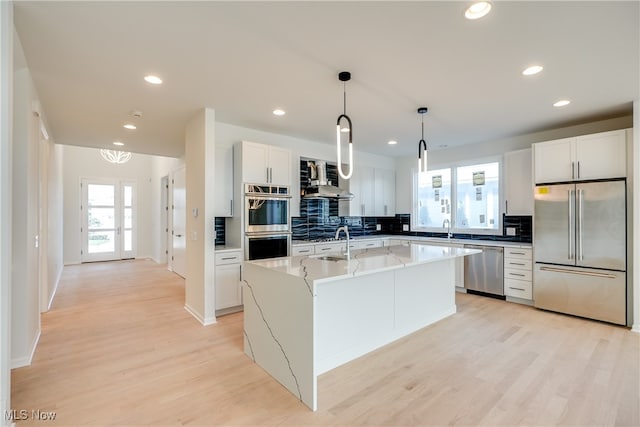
114 156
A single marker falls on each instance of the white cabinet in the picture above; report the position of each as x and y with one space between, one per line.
459 262
322 248
302 250
228 289
518 183
374 193
224 182
394 242
384 195
265 164
518 278
596 156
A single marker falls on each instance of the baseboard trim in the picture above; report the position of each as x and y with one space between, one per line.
26 361
636 328
203 321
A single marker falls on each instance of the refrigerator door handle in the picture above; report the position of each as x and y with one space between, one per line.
570 228
581 273
580 209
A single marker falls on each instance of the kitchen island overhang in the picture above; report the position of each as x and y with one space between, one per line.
305 315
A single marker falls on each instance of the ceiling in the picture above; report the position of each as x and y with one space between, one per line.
244 59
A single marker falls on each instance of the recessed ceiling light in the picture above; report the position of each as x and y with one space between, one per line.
130 126
118 143
530 71
561 103
477 10
392 142
154 80
279 112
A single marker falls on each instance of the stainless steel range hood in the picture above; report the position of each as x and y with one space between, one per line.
319 187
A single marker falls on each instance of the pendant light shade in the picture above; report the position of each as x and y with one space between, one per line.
422 145
344 77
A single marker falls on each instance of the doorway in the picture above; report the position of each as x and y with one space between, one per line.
179 224
109 218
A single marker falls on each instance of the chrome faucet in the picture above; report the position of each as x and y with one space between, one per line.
447 223
346 232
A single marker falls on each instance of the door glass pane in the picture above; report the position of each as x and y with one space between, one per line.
478 196
101 241
101 195
128 240
434 198
128 195
101 218
128 218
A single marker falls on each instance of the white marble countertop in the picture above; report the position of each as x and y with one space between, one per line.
226 248
326 268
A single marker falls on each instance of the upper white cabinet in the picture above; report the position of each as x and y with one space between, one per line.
374 193
596 156
384 192
265 164
518 183
224 182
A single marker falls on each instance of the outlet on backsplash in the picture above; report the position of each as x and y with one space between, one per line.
378 227
511 231
405 227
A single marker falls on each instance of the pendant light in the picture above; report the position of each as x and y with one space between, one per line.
422 145
344 77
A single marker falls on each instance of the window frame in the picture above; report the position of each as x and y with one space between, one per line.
454 197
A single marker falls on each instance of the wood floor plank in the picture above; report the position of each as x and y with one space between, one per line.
119 349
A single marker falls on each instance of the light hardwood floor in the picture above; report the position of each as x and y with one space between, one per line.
118 348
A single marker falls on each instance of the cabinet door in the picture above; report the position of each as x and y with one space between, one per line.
228 290
601 155
254 162
518 183
554 160
367 185
279 166
352 207
224 182
385 192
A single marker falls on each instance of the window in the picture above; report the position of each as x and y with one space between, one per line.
466 195
434 198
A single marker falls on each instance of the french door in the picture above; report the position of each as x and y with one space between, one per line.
108 220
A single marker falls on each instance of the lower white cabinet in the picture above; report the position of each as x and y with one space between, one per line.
518 279
228 279
300 250
365 244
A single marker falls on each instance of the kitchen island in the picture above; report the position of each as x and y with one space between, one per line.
305 315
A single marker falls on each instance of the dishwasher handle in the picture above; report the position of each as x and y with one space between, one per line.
486 248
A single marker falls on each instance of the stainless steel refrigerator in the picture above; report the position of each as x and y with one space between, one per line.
580 249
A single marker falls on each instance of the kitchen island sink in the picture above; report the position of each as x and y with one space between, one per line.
306 315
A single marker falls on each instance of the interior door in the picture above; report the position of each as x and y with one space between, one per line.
108 220
179 233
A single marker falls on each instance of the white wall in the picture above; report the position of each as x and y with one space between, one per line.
200 161
442 157
25 300
55 220
6 125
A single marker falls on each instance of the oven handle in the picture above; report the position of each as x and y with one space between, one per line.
267 196
268 234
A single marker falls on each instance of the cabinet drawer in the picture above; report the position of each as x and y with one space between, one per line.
518 264
229 258
518 288
366 244
518 253
302 250
510 273
331 247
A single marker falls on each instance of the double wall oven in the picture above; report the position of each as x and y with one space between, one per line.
266 221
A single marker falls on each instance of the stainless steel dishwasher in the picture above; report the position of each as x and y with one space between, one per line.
483 273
